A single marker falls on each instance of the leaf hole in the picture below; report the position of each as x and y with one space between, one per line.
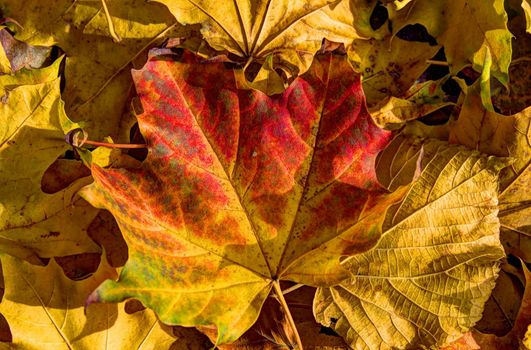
435 72
513 260
328 330
5 331
105 231
439 117
136 137
416 32
79 266
379 16
62 173
452 90
133 305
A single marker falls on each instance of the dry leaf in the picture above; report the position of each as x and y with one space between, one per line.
428 277
241 190
33 223
466 29
288 33
46 310
97 72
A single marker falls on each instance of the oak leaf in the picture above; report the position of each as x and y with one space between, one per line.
46 310
389 67
97 78
241 190
33 223
428 277
466 29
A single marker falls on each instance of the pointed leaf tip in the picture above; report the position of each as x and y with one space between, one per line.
240 189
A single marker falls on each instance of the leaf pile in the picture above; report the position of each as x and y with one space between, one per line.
280 174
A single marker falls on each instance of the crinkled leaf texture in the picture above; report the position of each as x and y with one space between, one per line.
517 338
429 276
480 127
240 189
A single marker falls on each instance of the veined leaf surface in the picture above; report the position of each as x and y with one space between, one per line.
287 32
429 276
32 127
97 69
240 190
481 128
46 310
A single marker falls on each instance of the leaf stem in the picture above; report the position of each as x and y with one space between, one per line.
113 33
78 138
292 288
284 304
114 145
437 63
521 59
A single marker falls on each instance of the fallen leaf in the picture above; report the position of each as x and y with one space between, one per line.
517 25
79 266
5 65
240 190
417 128
515 197
420 100
272 330
466 342
266 80
21 55
399 163
517 97
389 68
526 343
46 310
104 230
189 338
466 29
479 127
61 174
399 4
502 307
523 319
428 277
315 336
97 71
33 223
288 33
519 333
29 77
